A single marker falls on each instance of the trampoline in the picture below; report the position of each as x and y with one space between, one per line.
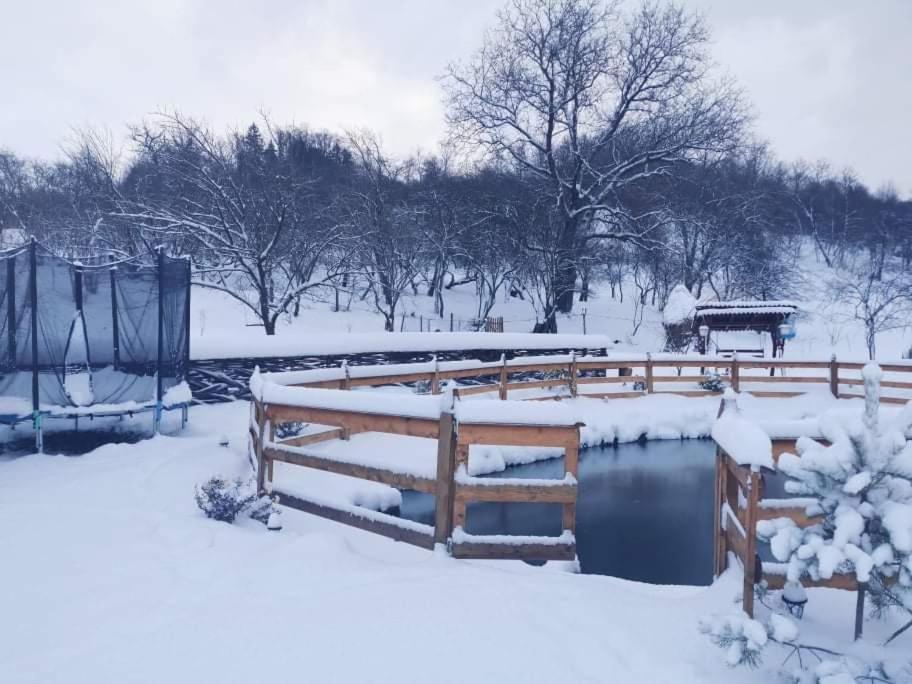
91 339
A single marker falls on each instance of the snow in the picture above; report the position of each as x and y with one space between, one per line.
680 306
119 578
742 439
177 395
460 536
486 411
258 345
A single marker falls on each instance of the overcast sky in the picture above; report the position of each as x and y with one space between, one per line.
827 78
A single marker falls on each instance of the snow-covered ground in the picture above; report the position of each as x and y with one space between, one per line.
221 326
110 573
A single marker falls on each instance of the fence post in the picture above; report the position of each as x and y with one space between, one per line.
735 380
435 379
718 534
572 370
834 376
159 388
650 385
503 376
451 321
33 296
261 427
346 380
446 486
750 541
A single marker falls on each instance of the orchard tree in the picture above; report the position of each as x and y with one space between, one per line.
586 100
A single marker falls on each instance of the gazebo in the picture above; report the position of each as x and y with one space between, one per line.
773 317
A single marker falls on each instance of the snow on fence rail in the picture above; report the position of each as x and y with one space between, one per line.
452 423
617 376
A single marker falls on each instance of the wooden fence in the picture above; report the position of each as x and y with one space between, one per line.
739 504
623 377
597 377
450 484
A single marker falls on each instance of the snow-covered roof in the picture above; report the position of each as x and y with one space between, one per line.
745 308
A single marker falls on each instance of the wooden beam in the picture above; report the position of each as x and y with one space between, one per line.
379 523
353 421
313 438
445 486
795 513
364 472
846 582
542 552
562 493
518 435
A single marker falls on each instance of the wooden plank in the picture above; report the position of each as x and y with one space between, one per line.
563 493
796 513
476 389
518 435
388 477
688 393
321 384
846 582
734 541
770 363
619 380
774 395
750 551
718 539
355 422
538 552
391 379
313 438
380 523
616 395
537 384
892 384
740 473
814 379
883 400
468 373
446 468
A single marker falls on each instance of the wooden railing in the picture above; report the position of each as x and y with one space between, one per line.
739 504
622 376
449 481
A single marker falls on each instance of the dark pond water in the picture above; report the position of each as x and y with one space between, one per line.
644 510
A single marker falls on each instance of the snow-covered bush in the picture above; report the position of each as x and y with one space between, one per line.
677 319
222 499
745 641
862 489
712 381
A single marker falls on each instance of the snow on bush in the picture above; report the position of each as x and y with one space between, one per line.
222 499
712 381
862 489
680 306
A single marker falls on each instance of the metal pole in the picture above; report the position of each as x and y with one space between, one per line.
33 294
115 324
11 310
159 393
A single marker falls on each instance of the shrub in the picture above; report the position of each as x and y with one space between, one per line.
712 382
222 499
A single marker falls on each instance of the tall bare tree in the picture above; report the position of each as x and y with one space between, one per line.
586 101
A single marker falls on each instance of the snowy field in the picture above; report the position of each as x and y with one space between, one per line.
221 327
113 574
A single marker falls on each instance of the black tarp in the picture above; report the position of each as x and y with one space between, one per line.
106 333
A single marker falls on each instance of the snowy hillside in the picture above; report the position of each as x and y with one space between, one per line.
220 326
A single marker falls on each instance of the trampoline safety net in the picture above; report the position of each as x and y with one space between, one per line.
77 335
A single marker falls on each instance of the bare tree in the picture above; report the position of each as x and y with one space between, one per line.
585 102
880 303
257 235
391 244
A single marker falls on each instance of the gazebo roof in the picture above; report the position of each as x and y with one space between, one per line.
744 314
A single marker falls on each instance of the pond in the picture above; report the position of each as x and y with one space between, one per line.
644 511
